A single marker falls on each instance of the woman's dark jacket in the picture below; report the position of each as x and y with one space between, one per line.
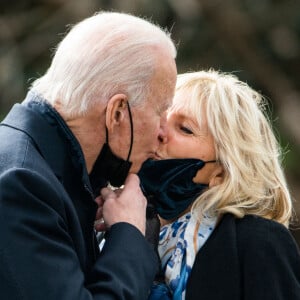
250 258
47 211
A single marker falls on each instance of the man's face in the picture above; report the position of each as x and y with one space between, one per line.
149 120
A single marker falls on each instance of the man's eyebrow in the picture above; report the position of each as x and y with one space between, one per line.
163 107
166 105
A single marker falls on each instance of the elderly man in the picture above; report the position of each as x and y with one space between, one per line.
94 117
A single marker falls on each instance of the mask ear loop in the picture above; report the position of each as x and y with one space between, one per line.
126 163
106 138
131 131
211 161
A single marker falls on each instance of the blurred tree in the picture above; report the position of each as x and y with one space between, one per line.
257 39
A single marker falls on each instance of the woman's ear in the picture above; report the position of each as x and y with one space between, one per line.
217 176
115 111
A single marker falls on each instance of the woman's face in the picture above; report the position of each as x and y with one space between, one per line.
186 139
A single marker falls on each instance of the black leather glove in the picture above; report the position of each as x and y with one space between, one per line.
152 233
152 225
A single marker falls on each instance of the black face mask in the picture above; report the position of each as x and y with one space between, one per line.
169 185
109 168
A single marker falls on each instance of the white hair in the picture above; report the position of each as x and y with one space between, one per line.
254 182
103 55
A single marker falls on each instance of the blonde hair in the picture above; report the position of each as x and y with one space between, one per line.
102 55
245 145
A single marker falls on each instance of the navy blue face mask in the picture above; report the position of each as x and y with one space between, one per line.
168 184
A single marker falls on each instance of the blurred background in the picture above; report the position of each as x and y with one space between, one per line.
258 40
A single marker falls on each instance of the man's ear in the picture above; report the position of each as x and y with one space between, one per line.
115 111
217 176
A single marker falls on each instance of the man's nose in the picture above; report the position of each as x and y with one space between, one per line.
163 130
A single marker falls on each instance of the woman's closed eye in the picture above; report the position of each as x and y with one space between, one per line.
186 130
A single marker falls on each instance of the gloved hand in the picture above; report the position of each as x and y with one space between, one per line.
152 234
152 225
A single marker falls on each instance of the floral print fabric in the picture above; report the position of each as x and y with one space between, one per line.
179 242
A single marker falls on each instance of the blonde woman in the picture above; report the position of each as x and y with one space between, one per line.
222 198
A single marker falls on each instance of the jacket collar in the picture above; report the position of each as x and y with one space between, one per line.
51 135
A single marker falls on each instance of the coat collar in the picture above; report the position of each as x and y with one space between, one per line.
51 135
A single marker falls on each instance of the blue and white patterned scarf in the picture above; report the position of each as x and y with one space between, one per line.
179 243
